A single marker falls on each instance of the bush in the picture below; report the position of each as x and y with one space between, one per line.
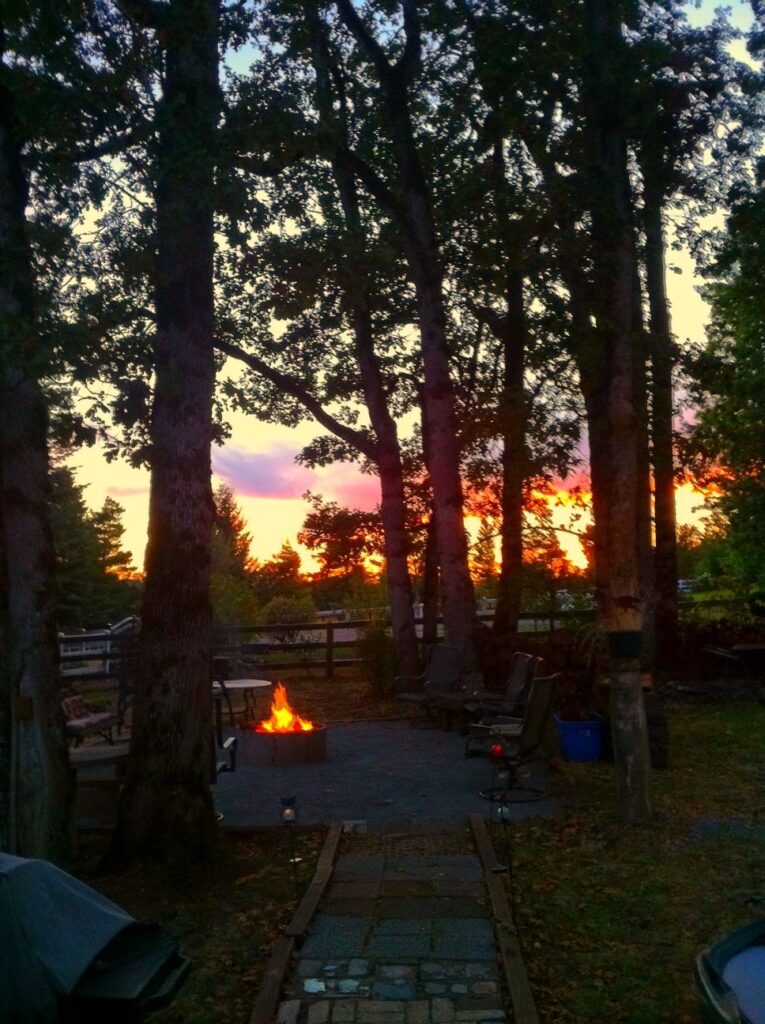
378 656
233 601
287 611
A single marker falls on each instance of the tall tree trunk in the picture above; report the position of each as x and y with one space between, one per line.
512 418
615 258
645 518
357 289
430 586
665 565
422 253
35 803
166 811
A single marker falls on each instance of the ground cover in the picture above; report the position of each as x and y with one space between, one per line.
612 917
225 918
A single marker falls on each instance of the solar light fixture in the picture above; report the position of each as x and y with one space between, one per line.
289 810
289 817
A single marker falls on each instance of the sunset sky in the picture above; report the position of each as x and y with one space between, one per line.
258 460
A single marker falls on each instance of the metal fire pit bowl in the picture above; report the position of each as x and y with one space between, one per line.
283 748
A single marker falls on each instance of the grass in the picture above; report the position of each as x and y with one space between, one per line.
225 918
611 917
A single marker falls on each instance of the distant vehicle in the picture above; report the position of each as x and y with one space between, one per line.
686 586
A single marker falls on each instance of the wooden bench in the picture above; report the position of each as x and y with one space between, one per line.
726 655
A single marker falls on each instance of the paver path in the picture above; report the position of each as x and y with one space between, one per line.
399 938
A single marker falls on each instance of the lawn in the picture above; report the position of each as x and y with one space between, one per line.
225 919
612 917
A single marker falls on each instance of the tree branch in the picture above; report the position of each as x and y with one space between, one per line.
109 147
147 13
410 62
364 38
294 387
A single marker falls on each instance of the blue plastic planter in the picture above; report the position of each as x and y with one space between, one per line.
581 741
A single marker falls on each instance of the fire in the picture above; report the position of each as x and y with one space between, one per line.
283 718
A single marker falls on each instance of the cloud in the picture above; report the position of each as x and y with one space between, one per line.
269 474
126 492
275 474
346 484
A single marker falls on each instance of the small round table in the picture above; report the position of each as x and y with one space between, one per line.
225 687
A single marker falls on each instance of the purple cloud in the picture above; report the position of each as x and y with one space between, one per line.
269 474
275 474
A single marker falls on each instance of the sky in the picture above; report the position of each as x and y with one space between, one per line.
257 461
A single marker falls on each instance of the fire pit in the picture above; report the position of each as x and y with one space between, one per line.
284 738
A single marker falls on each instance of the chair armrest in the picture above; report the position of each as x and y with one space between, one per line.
408 683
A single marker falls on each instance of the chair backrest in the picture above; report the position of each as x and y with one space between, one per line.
442 672
537 712
522 669
74 708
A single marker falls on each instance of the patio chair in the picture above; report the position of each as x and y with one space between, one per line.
522 670
441 678
81 720
511 745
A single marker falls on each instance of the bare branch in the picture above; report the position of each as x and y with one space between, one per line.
364 38
410 62
294 387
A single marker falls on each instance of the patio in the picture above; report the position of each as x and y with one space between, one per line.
379 772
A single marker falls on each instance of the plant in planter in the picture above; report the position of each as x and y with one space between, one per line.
580 720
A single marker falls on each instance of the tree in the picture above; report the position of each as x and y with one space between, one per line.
279 576
728 441
689 101
342 538
166 810
91 568
231 540
615 268
409 205
484 560
231 579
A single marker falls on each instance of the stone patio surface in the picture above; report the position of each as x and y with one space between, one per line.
377 772
399 940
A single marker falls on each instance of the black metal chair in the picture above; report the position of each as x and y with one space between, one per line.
441 687
487 705
511 744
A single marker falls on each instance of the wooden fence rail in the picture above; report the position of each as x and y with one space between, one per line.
319 642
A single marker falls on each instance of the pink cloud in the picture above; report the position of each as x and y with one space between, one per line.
275 474
346 484
126 492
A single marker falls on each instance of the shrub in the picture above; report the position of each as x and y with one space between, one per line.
285 612
378 656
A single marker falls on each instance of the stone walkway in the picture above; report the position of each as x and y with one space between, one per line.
399 939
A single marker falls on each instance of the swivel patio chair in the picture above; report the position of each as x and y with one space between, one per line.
511 745
487 704
435 688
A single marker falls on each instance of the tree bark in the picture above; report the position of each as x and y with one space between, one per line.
166 811
421 250
645 518
615 262
35 801
357 289
512 418
665 564
430 586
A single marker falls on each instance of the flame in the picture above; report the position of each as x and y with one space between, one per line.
283 718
